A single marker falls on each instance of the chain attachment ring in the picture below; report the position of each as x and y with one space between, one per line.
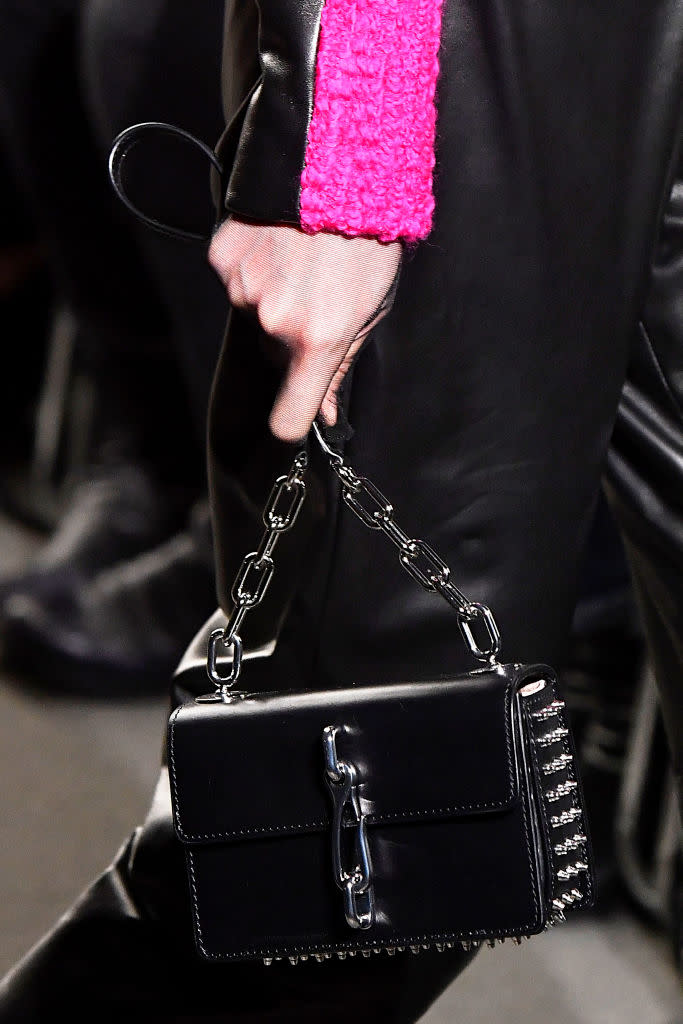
477 612
223 684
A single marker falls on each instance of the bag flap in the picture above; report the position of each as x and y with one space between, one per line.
425 750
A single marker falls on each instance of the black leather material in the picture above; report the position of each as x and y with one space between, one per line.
644 472
118 954
483 407
119 511
148 132
265 179
391 727
484 402
122 630
457 822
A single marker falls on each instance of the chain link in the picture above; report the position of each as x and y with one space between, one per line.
256 572
376 512
417 557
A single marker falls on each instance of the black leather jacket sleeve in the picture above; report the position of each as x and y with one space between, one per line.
331 114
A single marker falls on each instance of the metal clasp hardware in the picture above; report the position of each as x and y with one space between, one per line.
356 884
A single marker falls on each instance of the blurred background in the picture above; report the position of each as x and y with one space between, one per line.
105 542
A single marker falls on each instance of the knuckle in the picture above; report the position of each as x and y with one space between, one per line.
318 337
213 254
276 319
235 290
270 319
219 255
284 320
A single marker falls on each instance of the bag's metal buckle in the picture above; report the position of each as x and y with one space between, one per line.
356 884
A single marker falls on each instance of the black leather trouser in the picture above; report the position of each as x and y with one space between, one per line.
644 470
483 408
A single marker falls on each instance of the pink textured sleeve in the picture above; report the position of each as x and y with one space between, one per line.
370 150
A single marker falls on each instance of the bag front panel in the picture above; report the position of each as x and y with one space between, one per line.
466 878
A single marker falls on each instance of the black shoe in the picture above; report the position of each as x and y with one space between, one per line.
123 633
121 511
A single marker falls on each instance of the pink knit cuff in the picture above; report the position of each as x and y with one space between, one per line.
370 152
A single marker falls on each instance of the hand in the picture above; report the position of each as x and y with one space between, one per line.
312 292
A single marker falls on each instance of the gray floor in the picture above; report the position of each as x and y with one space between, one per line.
77 777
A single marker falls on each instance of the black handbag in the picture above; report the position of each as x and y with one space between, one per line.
394 817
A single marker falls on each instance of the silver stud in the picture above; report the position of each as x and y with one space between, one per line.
571 871
491 943
439 947
541 714
425 945
352 952
303 957
450 945
558 906
517 939
564 789
366 953
501 940
566 817
267 960
341 955
570 898
401 949
391 950
415 949
554 736
466 945
319 957
294 960
376 949
558 764
570 845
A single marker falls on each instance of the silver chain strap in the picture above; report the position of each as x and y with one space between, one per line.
377 513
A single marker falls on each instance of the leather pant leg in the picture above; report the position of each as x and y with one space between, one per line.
644 470
644 483
125 952
482 407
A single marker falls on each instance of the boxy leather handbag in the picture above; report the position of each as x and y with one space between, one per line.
396 817
392 817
